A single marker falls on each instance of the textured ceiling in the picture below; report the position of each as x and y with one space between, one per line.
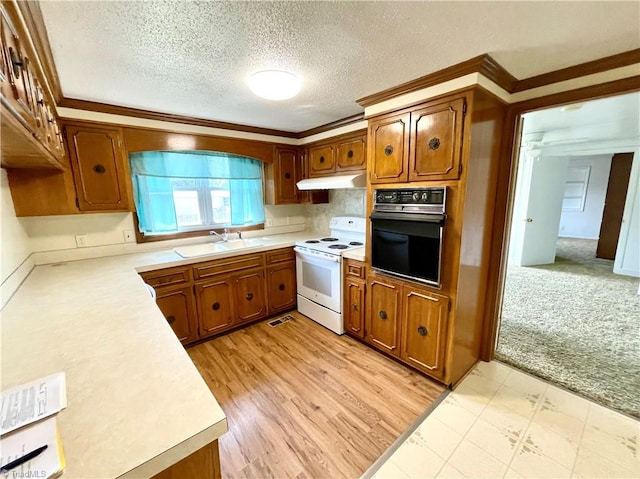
193 58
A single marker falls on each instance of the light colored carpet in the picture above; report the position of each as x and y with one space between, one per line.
577 324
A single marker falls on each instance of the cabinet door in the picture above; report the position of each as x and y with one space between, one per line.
215 305
436 142
18 95
281 287
424 326
353 308
382 326
249 299
98 160
321 160
287 175
389 149
351 155
178 308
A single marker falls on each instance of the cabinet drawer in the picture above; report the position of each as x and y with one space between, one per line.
280 256
353 268
236 263
166 277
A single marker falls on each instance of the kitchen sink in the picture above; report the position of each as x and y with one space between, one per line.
213 248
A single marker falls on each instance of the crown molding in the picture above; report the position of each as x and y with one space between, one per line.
349 120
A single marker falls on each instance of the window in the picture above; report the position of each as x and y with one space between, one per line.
193 190
575 188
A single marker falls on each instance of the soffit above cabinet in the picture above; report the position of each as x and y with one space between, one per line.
193 58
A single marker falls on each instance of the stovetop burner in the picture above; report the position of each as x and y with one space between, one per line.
312 241
338 246
355 243
329 239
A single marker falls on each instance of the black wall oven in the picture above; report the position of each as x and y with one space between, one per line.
407 227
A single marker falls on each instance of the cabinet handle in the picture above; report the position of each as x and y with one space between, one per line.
99 168
350 154
287 176
16 62
171 319
422 331
215 306
382 314
322 159
354 306
249 296
434 143
388 150
281 287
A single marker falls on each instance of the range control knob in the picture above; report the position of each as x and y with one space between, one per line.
425 196
416 196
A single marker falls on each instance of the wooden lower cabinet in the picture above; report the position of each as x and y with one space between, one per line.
202 464
354 307
382 325
215 305
249 299
177 305
281 287
424 330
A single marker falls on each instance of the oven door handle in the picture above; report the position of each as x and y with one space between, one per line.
305 254
419 217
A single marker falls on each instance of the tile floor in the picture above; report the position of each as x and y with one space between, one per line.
502 423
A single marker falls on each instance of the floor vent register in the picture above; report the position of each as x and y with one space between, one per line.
278 321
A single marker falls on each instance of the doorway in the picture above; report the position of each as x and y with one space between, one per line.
567 315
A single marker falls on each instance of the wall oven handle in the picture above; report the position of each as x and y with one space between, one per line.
407 216
317 257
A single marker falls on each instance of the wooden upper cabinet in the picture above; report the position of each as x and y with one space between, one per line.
99 164
215 305
389 149
249 299
178 307
424 330
287 173
436 141
382 324
351 154
281 287
321 160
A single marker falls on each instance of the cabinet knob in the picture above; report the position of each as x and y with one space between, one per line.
281 287
215 306
287 176
422 331
388 150
350 154
434 143
249 296
171 319
382 314
40 102
100 169
354 306
322 159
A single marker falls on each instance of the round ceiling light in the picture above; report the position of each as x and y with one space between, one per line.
274 84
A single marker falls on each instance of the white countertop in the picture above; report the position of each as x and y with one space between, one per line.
356 253
137 404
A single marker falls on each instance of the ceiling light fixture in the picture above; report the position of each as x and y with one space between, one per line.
274 84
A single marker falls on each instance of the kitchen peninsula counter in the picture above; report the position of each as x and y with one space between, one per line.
136 402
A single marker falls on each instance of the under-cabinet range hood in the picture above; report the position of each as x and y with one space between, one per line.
334 182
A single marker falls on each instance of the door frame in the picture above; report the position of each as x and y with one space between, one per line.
505 191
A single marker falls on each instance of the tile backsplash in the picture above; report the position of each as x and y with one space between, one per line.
349 202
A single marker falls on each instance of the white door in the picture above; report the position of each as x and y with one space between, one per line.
537 209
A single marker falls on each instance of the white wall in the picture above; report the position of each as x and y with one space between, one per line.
15 249
586 224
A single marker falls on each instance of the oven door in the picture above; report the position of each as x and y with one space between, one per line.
407 245
319 278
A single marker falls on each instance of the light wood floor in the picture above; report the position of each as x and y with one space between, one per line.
303 402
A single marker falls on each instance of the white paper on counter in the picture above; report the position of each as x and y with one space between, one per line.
33 401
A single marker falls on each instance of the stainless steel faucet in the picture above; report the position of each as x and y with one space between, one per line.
223 237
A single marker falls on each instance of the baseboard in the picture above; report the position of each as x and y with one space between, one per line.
10 285
578 237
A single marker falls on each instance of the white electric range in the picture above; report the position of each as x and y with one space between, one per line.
319 270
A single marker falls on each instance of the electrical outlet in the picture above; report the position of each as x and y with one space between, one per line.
269 222
129 236
81 241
